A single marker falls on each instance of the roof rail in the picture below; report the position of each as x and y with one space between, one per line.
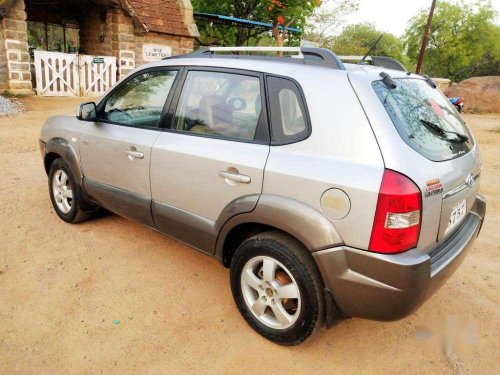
304 55
381 61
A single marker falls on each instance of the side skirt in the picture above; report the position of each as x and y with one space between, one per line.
191 229
132 206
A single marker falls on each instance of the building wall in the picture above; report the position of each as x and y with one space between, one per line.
15 74
122 41
95 35
4 73
180 45
110 35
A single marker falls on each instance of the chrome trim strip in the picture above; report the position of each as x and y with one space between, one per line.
460 187
455 191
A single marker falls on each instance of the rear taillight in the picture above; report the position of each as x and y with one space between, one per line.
397 219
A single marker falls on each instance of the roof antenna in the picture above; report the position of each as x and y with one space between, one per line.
362 61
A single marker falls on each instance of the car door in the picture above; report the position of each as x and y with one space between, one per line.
209 164
116 149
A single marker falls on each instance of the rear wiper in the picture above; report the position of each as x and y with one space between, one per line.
441 132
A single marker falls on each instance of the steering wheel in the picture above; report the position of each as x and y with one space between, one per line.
130 118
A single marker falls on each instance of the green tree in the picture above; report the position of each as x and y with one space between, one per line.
325 20
357 39
463 41
285 13
281 14
225 35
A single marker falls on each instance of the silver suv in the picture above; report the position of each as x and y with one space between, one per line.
330 190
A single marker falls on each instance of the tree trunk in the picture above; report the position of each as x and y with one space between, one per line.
278 37
241 36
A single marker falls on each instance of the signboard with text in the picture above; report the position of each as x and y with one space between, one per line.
153 52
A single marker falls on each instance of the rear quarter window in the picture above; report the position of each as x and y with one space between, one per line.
289 116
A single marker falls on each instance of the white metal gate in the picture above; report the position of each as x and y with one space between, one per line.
63 74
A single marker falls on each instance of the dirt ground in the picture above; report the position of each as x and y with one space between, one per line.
109 296
481 94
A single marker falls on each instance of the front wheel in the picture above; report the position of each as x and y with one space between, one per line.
65 194
277 288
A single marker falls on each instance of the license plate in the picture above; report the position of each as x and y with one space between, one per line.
457 214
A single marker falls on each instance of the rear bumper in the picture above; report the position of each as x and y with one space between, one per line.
390 287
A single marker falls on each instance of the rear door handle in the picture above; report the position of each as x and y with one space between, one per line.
134 154
236 177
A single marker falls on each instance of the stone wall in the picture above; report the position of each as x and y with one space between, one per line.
15 69
123 44
180 45
4 73
109 34
95 35
117 37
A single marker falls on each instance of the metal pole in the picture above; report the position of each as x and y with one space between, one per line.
425 38
210 27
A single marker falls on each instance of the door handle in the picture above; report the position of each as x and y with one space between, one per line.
134 154
236 177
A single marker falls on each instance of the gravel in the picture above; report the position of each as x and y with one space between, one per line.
9 107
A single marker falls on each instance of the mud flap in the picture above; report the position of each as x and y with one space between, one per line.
332 311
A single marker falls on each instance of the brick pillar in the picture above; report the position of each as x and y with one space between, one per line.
14 55
123 42
4 72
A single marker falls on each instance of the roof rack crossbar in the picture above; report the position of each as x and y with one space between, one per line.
255 49
308 55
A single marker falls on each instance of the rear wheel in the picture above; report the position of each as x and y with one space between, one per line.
65 194
277 288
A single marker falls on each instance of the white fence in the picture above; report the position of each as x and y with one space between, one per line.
63 74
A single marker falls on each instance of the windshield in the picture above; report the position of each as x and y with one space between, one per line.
425 119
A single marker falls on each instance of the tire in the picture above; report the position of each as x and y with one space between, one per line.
72 210
305 314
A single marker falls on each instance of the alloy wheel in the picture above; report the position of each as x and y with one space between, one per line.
270 292
62 191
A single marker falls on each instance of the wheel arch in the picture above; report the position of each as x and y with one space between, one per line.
296 219
49 158
59 147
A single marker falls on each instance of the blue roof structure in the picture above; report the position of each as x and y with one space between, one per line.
234 21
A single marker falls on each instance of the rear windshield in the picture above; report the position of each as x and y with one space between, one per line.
425 119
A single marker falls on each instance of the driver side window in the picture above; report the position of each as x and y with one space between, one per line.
140 100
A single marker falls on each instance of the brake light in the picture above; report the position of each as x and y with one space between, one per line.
397 219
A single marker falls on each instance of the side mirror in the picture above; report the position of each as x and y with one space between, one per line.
87 112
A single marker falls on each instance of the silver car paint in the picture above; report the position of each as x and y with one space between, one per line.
177 188
341 152
61 134
300 220
65 127
400 157
185 172
104 157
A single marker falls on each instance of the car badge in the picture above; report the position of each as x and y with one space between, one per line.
469 180
433 187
